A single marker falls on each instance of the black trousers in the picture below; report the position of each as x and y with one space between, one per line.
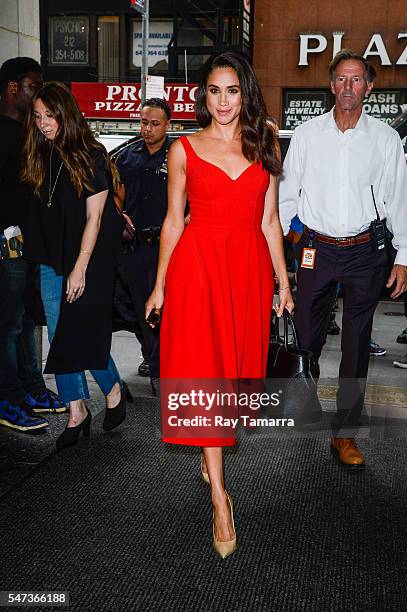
140 268
19 371
361 271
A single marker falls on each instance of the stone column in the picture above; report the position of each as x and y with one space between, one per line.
19 29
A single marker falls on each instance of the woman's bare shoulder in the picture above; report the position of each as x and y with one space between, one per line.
199 135
176 153
177 148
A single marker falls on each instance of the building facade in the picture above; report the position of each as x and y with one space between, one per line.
295 41
19 29
84 40
97 47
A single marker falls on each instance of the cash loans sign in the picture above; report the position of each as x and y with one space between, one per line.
123 100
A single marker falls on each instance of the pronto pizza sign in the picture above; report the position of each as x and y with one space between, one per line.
123 100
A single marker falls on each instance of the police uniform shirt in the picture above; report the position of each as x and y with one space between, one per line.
329 176
145 180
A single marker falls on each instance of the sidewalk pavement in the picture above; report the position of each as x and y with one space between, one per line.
21 453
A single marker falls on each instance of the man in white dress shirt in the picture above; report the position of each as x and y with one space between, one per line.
344 173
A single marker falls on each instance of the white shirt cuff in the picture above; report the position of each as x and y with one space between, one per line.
401 257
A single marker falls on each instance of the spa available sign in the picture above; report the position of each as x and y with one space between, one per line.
160 34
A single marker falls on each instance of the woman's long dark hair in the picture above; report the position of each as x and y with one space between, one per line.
259 138
74 141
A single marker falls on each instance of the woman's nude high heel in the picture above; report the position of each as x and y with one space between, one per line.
224 549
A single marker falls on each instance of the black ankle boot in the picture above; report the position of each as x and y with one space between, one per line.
70 435
115 416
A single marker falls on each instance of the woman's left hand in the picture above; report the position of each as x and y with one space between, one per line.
75 285
285 301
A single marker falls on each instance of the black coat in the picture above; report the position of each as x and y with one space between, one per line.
53 237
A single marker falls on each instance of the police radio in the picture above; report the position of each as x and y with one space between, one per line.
377 228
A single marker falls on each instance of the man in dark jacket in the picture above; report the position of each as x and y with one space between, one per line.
22 388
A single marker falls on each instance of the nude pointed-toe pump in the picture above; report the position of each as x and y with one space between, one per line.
224 549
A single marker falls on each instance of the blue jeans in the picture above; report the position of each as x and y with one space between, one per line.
19 371
73 386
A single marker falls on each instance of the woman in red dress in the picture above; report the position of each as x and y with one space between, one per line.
218 270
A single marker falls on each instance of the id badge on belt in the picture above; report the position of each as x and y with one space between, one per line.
308 255
11 243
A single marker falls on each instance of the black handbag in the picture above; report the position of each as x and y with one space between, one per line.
290 374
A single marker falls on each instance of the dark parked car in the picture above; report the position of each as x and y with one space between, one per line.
124 141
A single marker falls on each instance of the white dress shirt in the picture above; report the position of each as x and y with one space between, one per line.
328 177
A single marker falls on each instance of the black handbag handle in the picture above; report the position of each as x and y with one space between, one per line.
288 321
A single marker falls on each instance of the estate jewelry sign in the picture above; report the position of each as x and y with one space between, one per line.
299 106
68 40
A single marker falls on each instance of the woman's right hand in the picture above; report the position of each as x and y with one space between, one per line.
155 302
75 285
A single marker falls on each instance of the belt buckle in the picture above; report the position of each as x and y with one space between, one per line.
344 242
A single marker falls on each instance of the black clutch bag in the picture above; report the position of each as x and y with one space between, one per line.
290 374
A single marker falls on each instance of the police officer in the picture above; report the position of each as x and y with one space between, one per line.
344 175
143 171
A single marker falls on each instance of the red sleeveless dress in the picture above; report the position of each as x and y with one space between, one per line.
219 284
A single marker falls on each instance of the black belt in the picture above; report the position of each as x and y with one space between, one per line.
346 241
149 235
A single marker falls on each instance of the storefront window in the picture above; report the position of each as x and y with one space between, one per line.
108 48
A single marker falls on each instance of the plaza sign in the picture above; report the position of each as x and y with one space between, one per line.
317 43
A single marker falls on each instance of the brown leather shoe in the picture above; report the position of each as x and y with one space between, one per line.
348 453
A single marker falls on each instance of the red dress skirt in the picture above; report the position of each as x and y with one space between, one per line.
218 293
